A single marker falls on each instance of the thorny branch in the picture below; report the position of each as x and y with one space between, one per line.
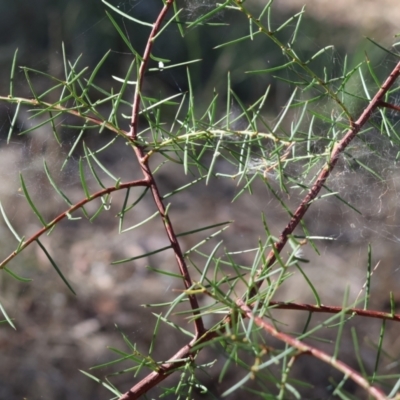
156 377
181 357
334 310
143 162
327 169
75 207
202 336
58 107
177 360
305 348
143 66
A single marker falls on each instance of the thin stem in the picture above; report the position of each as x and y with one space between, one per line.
145 60
292 56
304 348
143 162
327 169
389 105
172 364
76 206
156 377
180 259
163 371
58 107
334 310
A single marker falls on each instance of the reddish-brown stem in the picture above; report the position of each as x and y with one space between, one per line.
334 310
323 176
202 336
389 105
180 259
155 378
143 162
173 363
304 348
158 376
143 66
76 206
176 361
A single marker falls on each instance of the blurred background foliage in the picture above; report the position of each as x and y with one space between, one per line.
44 360
37 29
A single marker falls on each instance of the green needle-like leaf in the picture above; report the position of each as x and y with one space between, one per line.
7 317
31 204
55 266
